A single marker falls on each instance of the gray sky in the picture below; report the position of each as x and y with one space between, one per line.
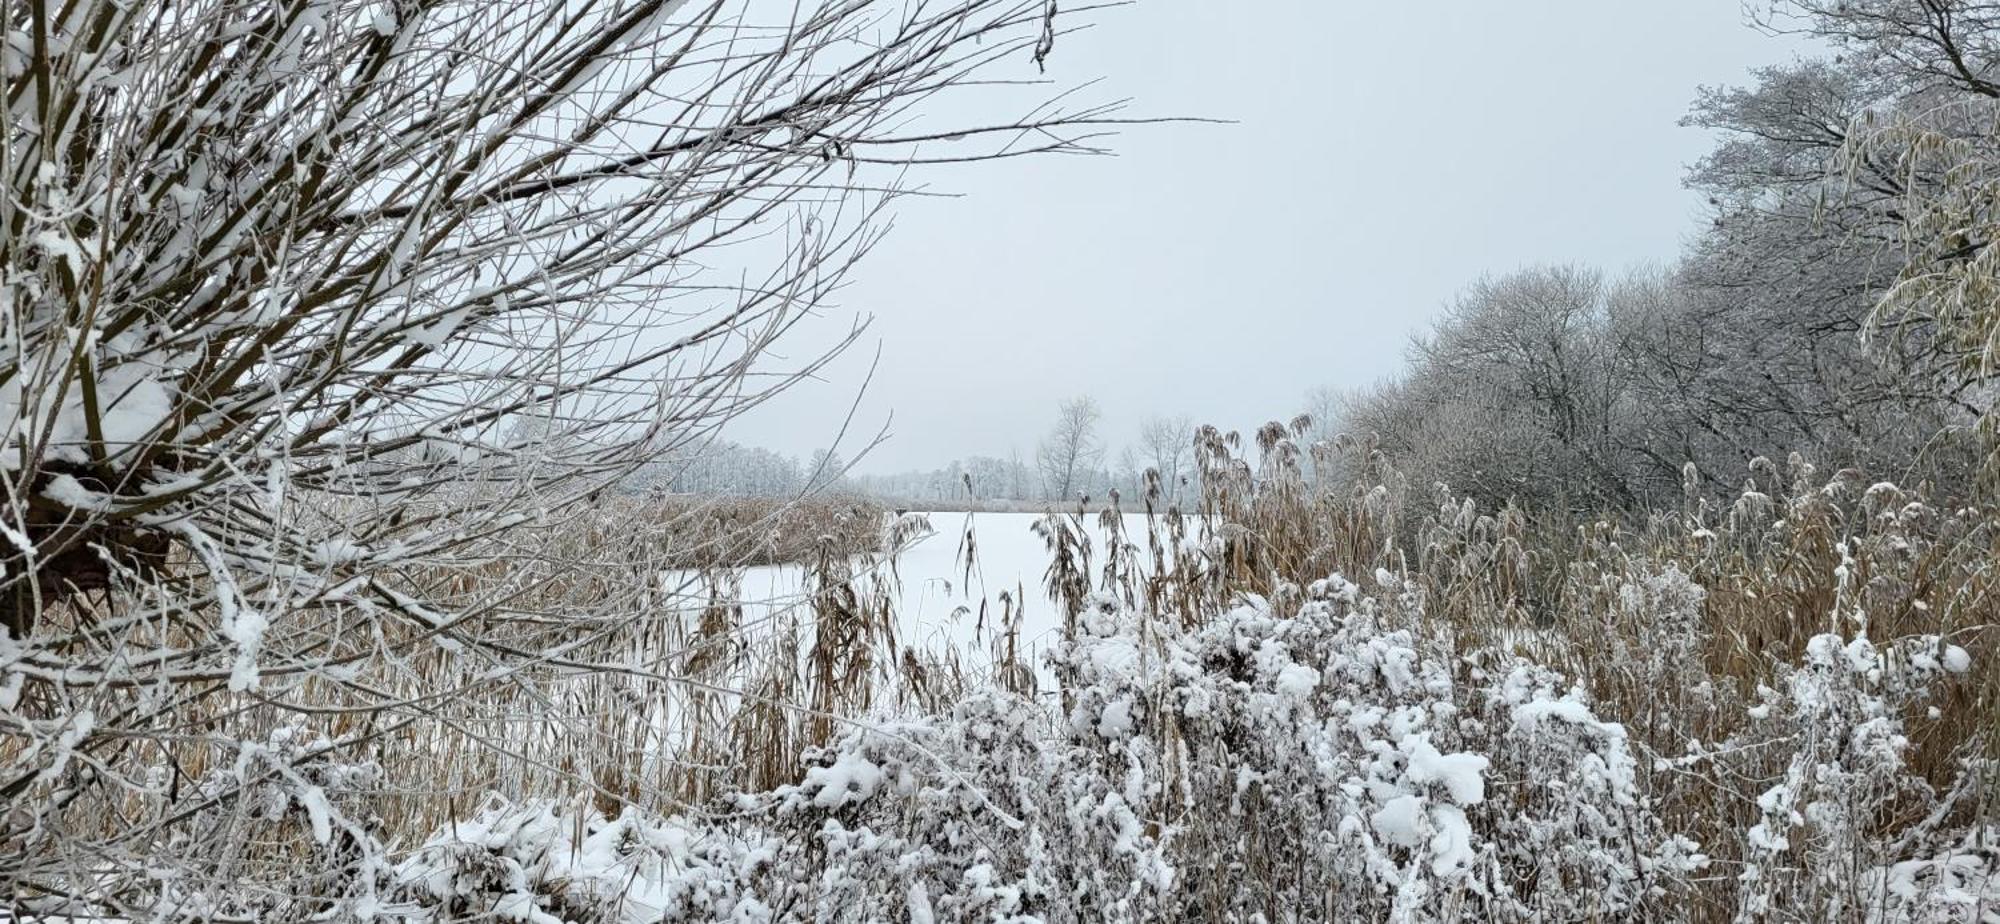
1384 156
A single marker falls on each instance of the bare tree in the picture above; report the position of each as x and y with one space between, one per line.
1019 481
1757 348
1930 129
310 306
827 471
1325 406
1516 394
1127 474
1169 444
1071 451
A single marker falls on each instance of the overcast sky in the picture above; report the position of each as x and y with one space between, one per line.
1383 155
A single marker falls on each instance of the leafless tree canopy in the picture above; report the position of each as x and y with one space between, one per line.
309 304
1071 450
1839 305
1168 443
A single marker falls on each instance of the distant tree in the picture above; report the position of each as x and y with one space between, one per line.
1020 482
1326 406
1516 394
725 468
997 478
1071 451
826 472
1126 474
1168 444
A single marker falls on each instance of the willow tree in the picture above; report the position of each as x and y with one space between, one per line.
309 304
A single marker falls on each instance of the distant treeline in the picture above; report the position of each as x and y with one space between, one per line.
1838 305
734 470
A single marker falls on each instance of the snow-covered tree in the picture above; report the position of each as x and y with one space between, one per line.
827 471
308 304
1168 446
1068 456
1518 393
1928 158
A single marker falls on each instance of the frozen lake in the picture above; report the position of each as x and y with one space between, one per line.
938 608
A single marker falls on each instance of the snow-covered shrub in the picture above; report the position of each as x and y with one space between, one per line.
1830 740
1960 884
1322 764
977 815
545 863
1575 825
1387 778
298 801
989 813
1344 763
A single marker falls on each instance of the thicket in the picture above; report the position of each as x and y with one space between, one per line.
295 627
1778 708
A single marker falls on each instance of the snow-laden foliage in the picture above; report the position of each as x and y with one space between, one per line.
1392 746
1959 884
545 863
1831 740
1320 764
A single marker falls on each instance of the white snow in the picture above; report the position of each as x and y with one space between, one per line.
131 399
1297 681
437 333
1400 820
1451 842
851 778
938 609
1462 775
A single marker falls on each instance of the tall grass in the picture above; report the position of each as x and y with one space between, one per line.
1705 631
645 685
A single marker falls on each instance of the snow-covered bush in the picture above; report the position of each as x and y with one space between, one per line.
1830 740
1388 777
1321 764
1960 884
1345 750
545 863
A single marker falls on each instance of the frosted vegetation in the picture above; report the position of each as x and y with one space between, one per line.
369 554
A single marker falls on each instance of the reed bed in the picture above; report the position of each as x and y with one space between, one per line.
618 677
